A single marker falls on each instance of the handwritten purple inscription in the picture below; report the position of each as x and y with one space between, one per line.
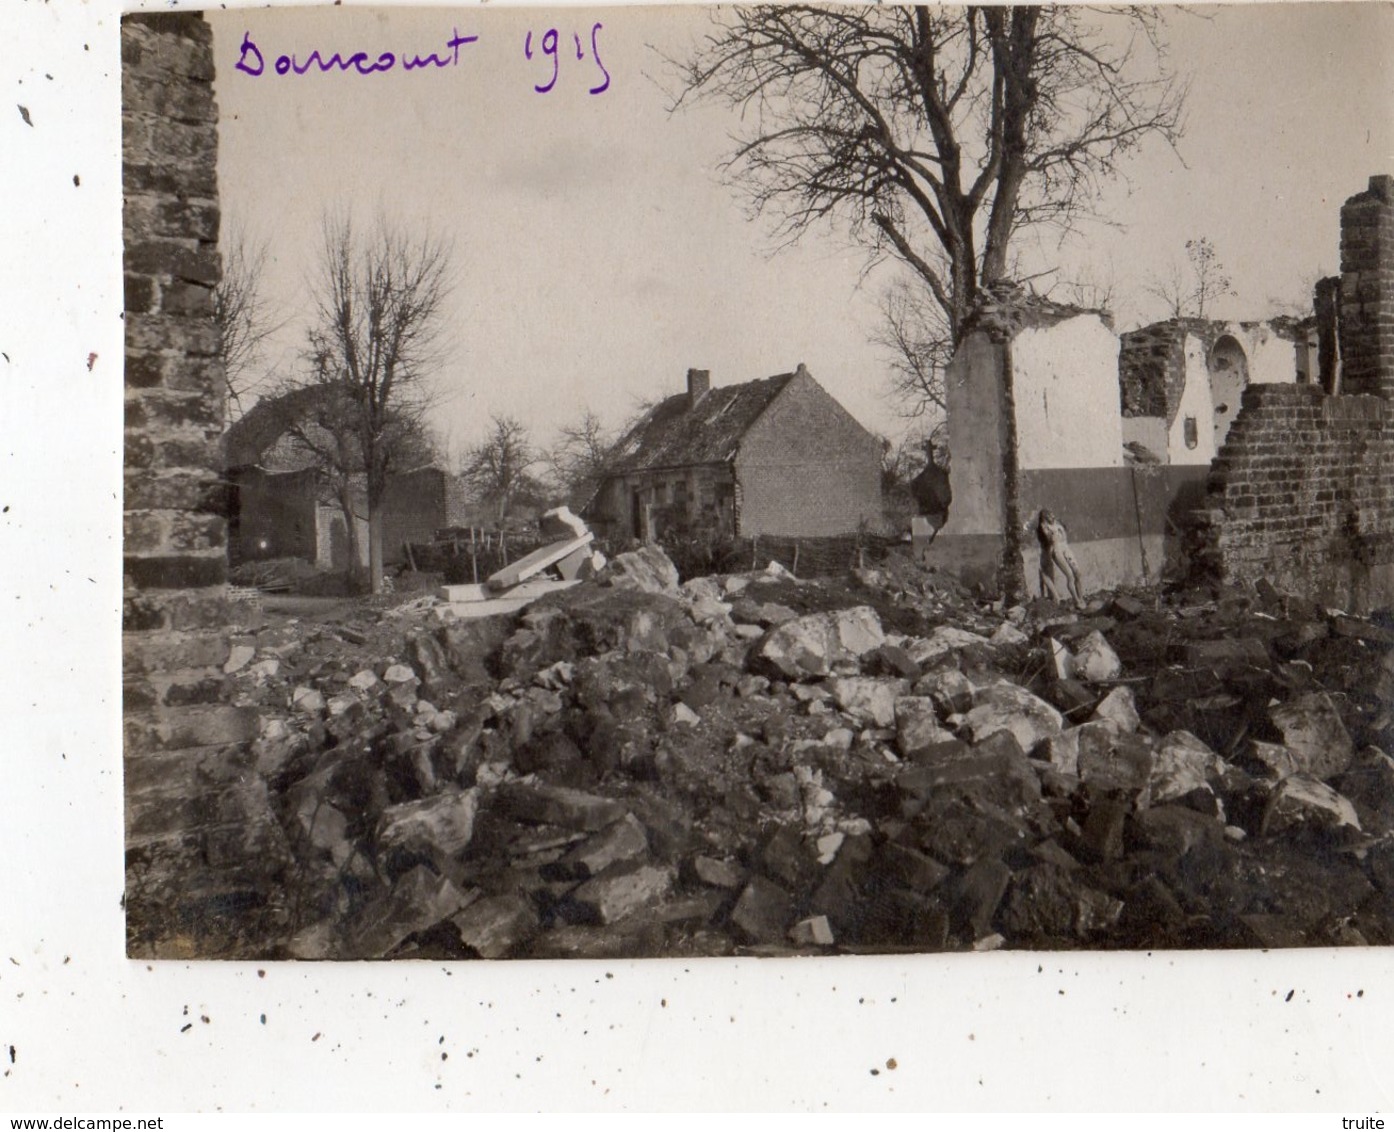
252 61
550 40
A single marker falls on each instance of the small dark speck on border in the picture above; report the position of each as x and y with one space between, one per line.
24 113
663 1002
77 181
261 974
263 1019
608 975
316 1037
184 1029
1360 994
48 76
440 1041
1060 991
444 1056
12 1055
204 1019
876 1072
891 1063
469 1053
67 958
1290 994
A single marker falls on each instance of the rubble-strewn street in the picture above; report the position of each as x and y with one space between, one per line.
757 764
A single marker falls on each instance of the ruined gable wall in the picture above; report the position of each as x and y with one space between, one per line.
1065 387
806 467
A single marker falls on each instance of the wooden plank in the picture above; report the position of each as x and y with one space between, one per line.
534 563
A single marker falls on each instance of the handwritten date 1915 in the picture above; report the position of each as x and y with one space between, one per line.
551 47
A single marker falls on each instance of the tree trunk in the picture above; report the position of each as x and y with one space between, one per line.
375 544
355 572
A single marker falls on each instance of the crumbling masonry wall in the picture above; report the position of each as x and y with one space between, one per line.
1302 493
181 806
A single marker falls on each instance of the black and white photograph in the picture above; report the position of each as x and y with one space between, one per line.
759 481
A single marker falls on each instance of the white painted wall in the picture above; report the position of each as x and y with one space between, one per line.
1066 388
1150 432
1198 401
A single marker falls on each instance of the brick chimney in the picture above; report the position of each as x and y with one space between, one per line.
698 382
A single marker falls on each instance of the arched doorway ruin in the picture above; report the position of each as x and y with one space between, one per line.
1229 375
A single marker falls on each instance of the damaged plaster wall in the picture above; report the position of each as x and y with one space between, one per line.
1070 456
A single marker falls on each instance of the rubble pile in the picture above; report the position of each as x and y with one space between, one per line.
753 764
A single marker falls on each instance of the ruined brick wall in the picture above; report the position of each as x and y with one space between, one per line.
1367 290
806 467
179 781
1151 369
1302 493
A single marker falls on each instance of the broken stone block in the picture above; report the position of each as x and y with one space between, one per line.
1312 730
1182 763
1046 903
647 569
363 679
1008 634
909 868
1228 652
420 899
950 689
1062 660
763 911
1269 760
308 700
618 892
1174 830
815 931
1102 834
1300 799
941 642
718 873
917 725
443 824
1111 762
1008 707
767 613
1369 783
811 646
978 892
1119 708
494 926
867 698
623 841
891 660
556 805
786 858
1062 752
1095 660
239 656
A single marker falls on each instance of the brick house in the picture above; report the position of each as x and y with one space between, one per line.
777 456
282 505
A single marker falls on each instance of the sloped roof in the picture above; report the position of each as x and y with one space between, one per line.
675 433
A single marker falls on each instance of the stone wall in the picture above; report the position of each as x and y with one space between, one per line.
1367 290
185 812
1303 494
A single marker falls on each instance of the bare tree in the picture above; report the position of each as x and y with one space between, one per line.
243 314
920 346
379 337
581 457
1191 292
497 468
934 135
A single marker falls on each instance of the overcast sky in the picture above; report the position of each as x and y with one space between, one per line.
600 256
